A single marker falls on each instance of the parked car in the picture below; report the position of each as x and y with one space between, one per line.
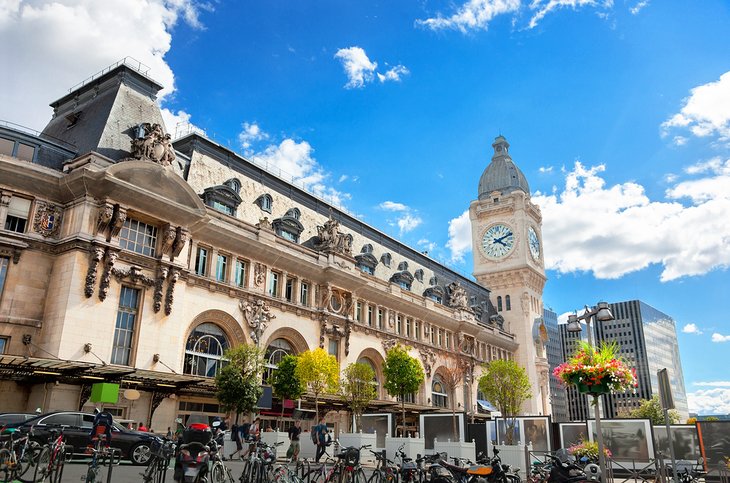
134 445
15 418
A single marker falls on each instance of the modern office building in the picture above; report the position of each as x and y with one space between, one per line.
555 356
577 403
647 339
130 258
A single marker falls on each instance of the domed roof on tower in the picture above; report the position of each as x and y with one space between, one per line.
502 174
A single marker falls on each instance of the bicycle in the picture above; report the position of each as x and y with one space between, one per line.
385 469
18 456
52 458
322 473
102 455
259 462
161 453
282 473
219 472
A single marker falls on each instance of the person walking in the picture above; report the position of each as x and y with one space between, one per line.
142 427
240 434
294 432
319 437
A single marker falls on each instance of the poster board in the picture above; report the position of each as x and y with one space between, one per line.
572 433
441 426
629 440
686 443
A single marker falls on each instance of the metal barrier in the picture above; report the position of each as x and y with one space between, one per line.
649 472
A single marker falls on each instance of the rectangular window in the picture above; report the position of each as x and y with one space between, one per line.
25 152
240 278
417 330
6 146
273 284
358 311
399 324
124 331
201 262
3 344
17 214
334 348
380 319
408 327
221 268
4 264
448 340
441 337
304 293
228 210
433 335
370 315
289 290
138 237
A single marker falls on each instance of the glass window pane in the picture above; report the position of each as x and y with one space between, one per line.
6 146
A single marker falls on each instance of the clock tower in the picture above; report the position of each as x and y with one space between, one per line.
508 260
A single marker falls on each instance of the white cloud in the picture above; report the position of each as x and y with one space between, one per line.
612 231
473 15
691 329
709 401
459 237
712 383
546 169
543 7
251 133
427 245
716 337
360 69
293 160
43 39
638 7
392 206
706 112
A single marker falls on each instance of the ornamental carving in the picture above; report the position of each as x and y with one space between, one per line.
106 212
457 297
466 343
152 144
257 315
109 260
157 298
97 254
134 274
172 279
428 358
329 239
259 274
348 330
169 235
181 238
118 219
47 220
389 343
265 224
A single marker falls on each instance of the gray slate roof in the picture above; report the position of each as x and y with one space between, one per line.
502 174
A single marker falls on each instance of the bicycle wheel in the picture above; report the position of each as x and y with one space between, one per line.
313 476
377 477
91 475
59 463
6 464
217 473
27 464
42 470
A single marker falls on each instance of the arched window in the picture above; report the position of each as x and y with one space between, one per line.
507 304
439 398
365 360
204 350
274 354
499 303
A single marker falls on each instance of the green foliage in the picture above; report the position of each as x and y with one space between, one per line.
284 381
709 418
691 420
403 375
357 388
652 409
506 385
238 384
319 372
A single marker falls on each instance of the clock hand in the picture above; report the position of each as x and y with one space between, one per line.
499 240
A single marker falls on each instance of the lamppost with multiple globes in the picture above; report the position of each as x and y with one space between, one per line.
600 313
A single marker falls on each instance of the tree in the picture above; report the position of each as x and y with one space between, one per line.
357 388
319 371
506 385
403 376
651 409
284 380
238 384
691 420
452 378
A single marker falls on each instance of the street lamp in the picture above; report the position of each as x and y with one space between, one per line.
600 313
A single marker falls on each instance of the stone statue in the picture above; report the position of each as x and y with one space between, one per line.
457 297
153 144
329 239
257 315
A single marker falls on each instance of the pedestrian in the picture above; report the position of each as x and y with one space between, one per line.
240 434
169 433
294 432
319 437
142 427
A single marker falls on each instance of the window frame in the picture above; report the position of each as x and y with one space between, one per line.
304 293
221 276
135 313
129 244
272 286
196 267
240 281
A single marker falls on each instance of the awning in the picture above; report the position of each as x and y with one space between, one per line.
486 405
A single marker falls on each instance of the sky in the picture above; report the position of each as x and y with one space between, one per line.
617 112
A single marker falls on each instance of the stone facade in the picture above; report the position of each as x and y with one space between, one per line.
136 243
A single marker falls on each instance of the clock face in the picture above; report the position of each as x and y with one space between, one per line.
534 242
498 241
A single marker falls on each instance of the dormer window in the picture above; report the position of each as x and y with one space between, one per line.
418 275
288 226
402 266
265 202
366 261
435 293
222 198
404 279
386 259
234 184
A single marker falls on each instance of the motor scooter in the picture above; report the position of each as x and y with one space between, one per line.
193 456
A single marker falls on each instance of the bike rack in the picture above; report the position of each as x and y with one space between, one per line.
644 474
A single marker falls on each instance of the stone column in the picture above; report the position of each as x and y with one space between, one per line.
4 204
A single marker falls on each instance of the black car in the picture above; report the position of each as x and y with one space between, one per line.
15 418
134 445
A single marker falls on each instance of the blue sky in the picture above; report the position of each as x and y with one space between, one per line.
618 113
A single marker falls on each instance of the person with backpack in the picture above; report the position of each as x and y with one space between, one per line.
294 432
319 438
239 435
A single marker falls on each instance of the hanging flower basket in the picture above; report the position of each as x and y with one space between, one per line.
597 371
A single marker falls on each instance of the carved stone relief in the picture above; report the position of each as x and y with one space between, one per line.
259 274
97 253
257 315
169 235
106 212
389 343
47 220
181 238
134 274
330 240
118 219
458 298
264 224
428 358
152 144
109 260
159 281
172 279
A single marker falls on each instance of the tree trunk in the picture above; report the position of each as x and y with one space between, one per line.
316 408
453 419
403 415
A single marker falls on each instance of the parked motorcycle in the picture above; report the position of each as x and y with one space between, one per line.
565 470
191 463
488 470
